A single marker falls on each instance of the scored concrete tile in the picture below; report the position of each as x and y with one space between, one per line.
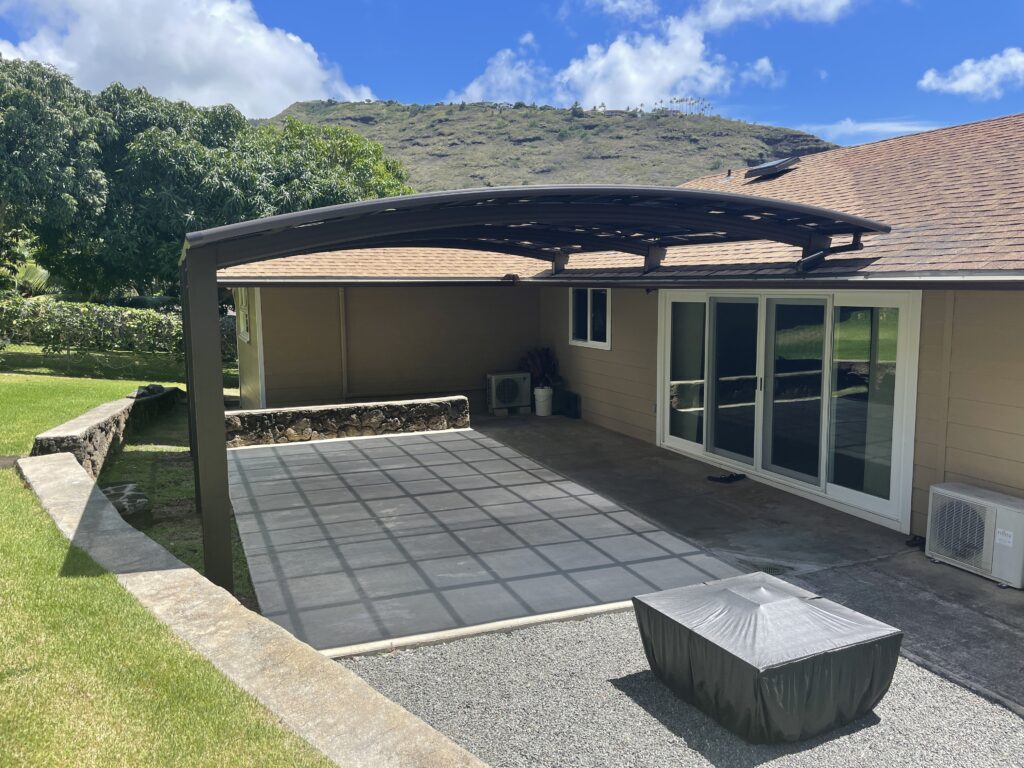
712 566
494 465
274 501
538 491
573 489
573 554
435 459
346 466
483 603
513 563
330 496
366 554
390 580
410 525
404 505
406 474
432 545
669 572
487 538
546 475
526 464
546 594
542 532
612 584
518 477
435 502
269 487
296 562
593 526
455 571
517 512
630 547
322 483
477 454
470 481
487 496
600 503
416 487
467 517
631 521
310 470
456 469
674 544
372 477
381 491
414 614
566 506
396 462
332 626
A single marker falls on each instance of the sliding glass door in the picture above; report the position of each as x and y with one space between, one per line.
811 388
794 381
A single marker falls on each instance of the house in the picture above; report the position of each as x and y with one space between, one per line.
856 377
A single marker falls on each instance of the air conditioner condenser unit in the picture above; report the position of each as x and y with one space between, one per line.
979 530
507 390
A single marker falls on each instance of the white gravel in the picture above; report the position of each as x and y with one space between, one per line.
580 693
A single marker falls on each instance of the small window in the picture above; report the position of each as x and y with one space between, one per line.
242 312
590 317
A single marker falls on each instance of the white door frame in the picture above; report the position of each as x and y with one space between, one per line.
893 513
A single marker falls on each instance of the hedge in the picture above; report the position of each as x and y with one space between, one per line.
64 326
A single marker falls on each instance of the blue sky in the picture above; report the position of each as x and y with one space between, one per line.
851 70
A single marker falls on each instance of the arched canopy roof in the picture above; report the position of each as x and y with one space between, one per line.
543 222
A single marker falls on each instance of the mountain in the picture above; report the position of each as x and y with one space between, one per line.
452 146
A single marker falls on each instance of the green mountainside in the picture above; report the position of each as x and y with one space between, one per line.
452 146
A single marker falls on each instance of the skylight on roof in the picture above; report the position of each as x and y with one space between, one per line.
772 167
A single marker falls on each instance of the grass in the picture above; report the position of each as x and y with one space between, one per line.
137 367
156 458
88 677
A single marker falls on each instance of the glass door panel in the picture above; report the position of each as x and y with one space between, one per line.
733 377
794 379
686 371
863 398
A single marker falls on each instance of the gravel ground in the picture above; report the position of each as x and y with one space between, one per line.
579 693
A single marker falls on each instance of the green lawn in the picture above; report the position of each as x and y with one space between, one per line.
89 678
156 458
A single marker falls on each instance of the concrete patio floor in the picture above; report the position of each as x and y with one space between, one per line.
369 539
959 625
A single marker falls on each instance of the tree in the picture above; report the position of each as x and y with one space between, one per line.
51 183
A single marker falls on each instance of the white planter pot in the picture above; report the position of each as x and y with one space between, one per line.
542 400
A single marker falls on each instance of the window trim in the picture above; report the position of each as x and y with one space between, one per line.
607 344
242 309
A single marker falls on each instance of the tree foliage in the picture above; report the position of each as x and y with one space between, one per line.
51 183
139 171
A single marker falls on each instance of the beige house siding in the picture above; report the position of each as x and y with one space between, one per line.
301 345
248 355
617 386
405 342
970 405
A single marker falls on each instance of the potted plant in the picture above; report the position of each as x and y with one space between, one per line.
542 366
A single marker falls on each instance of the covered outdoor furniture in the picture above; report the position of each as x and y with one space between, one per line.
768 660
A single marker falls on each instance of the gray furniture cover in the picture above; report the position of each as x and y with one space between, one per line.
769 661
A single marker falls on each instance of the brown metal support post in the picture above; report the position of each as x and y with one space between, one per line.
207 434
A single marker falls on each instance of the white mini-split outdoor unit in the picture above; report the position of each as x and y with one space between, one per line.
978 530
508 390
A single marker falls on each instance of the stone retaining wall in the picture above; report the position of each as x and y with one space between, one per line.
323 422
98 434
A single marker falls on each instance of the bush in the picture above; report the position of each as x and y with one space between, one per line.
64 326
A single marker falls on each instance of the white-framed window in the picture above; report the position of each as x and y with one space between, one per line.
242 312
590 317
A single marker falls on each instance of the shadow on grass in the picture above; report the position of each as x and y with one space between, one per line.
719 746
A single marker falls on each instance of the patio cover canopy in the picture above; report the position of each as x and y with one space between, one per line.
545 222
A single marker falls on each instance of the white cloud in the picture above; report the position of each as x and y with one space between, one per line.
763 72
204 51
674 60
527 40
631 9
850 131
510 76
982 78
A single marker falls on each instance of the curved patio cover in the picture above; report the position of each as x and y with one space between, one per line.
543 222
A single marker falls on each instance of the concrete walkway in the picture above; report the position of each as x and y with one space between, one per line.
957 624
371 539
